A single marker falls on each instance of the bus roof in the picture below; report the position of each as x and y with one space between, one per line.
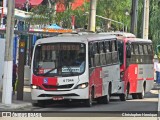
138 40
75 38
121 34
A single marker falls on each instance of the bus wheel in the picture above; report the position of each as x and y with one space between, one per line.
141 95
106 98
89 101
135 96
122 97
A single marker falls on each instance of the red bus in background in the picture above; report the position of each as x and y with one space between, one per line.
136 64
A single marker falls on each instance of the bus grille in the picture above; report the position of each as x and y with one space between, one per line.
58 87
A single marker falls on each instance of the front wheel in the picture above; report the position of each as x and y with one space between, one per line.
141 95
89 101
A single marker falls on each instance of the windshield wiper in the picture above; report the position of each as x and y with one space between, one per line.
49 71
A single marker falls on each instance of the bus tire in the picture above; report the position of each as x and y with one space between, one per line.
89 102
135 95
141 95
122 97
106 98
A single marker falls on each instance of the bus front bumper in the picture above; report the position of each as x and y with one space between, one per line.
38 94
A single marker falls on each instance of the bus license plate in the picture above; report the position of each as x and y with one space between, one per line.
58 98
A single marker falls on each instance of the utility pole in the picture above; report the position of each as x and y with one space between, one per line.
145 19
21 62
8 65
134 14
92 15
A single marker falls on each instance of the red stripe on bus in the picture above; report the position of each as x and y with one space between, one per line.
140 78
96 81
146 79
46 83
149 78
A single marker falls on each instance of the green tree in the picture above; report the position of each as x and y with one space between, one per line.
154 21
114 9
80 17
45 14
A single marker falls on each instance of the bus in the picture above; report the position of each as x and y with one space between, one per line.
76 67
136 64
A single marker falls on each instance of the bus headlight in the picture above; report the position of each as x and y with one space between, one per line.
81 86
35 87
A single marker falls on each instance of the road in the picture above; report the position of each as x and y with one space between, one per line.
114 108
74 111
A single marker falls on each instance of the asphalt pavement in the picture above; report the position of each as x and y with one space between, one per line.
27 103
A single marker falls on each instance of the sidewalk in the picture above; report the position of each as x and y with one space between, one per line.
17 104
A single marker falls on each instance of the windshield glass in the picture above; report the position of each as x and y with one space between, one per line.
59 59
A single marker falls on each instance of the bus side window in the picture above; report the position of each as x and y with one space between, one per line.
136 49
91 55
128 50
141 49
145 57
150 53
102 53
145 50
149 49
107 47
96 55
114 52
108 52
132 49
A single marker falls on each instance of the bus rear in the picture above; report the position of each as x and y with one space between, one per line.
136 66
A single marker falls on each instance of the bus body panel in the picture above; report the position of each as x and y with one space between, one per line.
149 85
115 72
101 77
130 76
145 77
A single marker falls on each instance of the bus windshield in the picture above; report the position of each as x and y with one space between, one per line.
59 59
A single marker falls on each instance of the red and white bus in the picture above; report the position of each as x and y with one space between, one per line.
76 67
136 68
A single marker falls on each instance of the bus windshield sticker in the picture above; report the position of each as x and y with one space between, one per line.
73 69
